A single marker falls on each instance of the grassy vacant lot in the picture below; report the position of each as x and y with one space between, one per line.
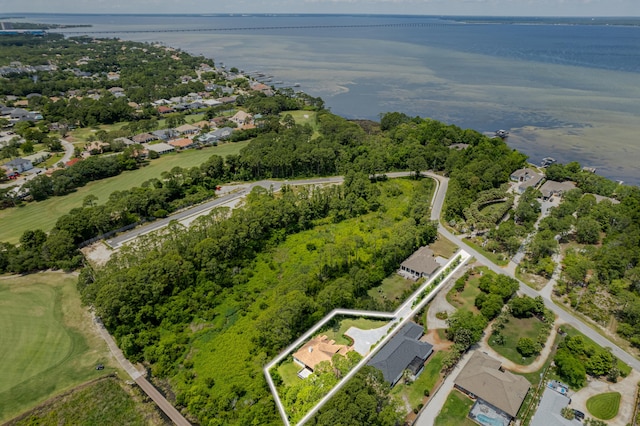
605 405
337 332
512 332
391 288
44 214
305 117
465 300
104 402
414 392
48 341
443 247
497 258
455 411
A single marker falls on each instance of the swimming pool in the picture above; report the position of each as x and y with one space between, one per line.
489 421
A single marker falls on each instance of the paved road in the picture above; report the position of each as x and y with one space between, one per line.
243 190
139 378
68 150
429 413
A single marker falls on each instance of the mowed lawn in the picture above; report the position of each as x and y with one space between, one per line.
605 405
455 411
48 341
44 214
512 332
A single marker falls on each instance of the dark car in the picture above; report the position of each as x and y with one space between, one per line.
99 367
578 414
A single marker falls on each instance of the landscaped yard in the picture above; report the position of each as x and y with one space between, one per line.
337 331
288 371
512 332
48 342
414 392
44 214
455 411
391 288
465 300
605 405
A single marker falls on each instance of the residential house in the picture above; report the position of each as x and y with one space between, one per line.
403 352
526 178
165 134
163 109
160 148
38 157
211 102
315 351
143 138
125 141
96 147
187 129
220 134
227 99
551 188
115 90
19 165
72 162
242 118
182 143
549 410
422 263
202 124
483 378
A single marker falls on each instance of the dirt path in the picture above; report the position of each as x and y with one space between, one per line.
512 366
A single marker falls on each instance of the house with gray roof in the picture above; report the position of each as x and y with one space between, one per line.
551 188
160 148
526 177
19 165
165 134
549 411
403 352
422 263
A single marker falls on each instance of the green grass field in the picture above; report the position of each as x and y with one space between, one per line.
512 332
605 405
288 370
48 342
44 214
414 392
496 258
305 117
103 403
455 411
443 247
391 288
465 300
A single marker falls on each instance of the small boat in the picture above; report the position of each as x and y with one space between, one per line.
502 133
547 161
296 85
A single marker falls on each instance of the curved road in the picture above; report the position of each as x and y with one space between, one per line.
432 409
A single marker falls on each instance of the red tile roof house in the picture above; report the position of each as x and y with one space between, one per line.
162 109
182 143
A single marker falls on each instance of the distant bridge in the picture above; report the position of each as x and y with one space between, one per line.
284 27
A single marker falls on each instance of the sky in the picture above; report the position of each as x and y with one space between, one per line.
417 7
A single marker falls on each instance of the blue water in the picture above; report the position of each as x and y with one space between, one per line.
489 421
566 88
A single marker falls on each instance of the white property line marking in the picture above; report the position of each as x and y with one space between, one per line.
395 319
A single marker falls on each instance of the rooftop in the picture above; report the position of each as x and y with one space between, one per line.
482 377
